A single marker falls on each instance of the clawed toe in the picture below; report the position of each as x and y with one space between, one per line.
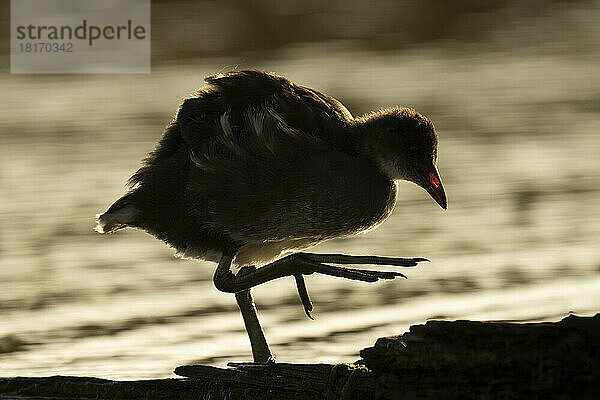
383 274
374 275
353 273
303 293
366 260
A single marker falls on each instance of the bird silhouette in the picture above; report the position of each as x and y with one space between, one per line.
254 168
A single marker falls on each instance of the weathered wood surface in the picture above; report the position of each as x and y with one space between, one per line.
437 360
275 381
491 360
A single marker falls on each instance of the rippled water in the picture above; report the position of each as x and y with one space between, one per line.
519 154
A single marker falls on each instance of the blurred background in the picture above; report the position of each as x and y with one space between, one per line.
513 88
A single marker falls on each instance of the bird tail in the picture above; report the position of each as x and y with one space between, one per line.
119 215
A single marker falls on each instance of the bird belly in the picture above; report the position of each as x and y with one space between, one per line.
263 252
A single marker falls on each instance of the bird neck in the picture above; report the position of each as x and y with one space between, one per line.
367 136
363 135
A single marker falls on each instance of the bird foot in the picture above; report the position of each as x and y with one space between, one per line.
252 365
311 263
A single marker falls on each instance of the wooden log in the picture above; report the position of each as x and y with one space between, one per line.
490 360
317 380
252 382
437 360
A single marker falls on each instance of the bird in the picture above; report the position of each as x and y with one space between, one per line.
255 169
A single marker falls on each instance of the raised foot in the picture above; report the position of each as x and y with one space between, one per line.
312 262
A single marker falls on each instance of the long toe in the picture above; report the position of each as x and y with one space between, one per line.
379 274
349 273
304 297
354 274
365 260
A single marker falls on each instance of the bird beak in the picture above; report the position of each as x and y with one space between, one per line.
433 184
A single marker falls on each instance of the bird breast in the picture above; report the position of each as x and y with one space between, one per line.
276 188
260 253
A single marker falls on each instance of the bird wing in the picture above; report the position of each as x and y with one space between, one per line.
241 100
269 160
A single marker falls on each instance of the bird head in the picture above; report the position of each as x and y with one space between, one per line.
403 144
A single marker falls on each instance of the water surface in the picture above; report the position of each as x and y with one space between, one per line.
518 119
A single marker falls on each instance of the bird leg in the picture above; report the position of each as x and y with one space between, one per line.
306 264
261 353
300 264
